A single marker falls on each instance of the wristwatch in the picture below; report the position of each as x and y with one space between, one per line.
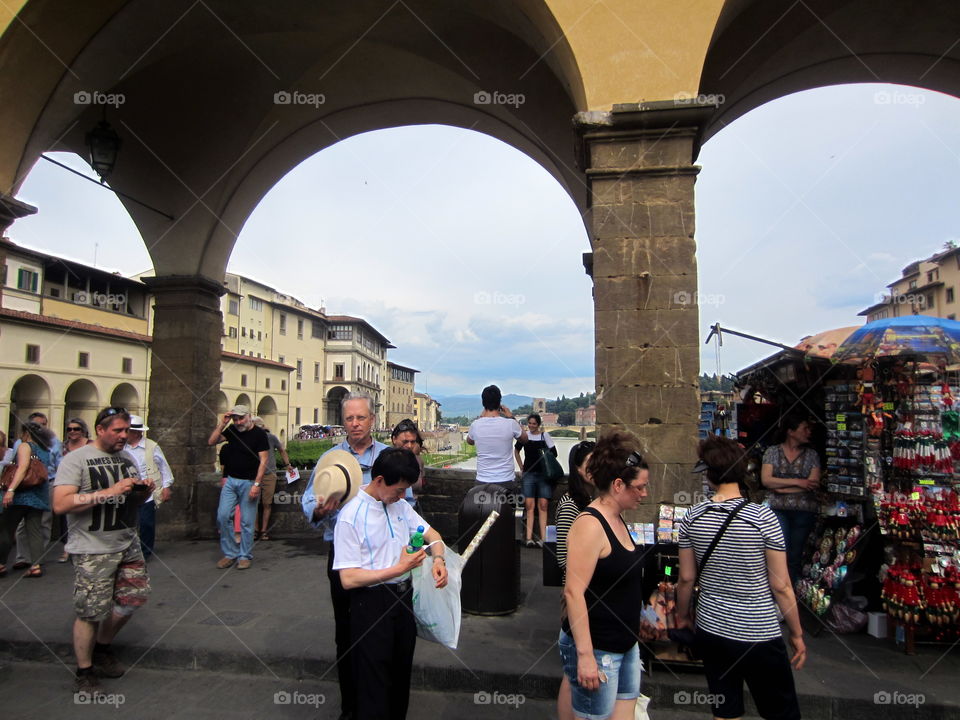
256 484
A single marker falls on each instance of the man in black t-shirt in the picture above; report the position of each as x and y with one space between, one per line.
244 460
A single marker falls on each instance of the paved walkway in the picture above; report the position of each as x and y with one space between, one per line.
274 623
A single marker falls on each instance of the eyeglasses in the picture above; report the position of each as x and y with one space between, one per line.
635 459
74 429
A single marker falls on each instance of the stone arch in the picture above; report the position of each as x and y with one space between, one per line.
30 393
334 397
765 49
221 404
244 399
126 396
82 400
268 412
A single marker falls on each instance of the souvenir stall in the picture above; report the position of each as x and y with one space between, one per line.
900 424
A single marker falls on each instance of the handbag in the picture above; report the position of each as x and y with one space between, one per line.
552 469
695 595
36 474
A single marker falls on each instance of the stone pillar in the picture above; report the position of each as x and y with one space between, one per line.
184 382
639 166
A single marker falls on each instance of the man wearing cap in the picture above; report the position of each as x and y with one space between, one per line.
358 420
152 464
269 477
244 460
372 535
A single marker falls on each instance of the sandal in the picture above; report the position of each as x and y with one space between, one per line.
265 536
64 558
34 572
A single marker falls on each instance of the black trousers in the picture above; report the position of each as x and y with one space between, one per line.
341 618
385 635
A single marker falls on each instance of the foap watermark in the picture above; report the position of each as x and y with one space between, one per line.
498 698
498 497
685 98
683 697
898 97
686 298
899 698
484 297
284 697
95 97
90 698
295 97
495 97
907 298
688 498
100 299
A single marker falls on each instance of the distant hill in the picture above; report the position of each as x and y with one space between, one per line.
470 405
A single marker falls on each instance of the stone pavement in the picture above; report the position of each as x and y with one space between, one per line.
229 640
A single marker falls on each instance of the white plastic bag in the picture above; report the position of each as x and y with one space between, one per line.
640 713
438 611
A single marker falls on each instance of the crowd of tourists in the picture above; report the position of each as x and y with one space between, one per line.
734 588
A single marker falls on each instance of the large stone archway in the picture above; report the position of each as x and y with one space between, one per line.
217 106
81 400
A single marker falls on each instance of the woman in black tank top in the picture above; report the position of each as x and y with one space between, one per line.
603 586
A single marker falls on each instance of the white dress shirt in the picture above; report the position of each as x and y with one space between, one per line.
139 453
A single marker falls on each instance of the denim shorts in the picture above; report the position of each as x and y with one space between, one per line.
623 679
535 485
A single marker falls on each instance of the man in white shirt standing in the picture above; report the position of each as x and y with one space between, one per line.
371 538
494 433
152 464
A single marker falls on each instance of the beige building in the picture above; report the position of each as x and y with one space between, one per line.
426 412
925 287
400 382
76 339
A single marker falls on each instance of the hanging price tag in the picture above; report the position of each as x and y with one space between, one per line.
914 496
888 406
841 426
926 481
841 417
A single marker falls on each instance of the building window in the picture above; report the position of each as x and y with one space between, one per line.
299 385
83 360
243 381
316 372
299 328
299 369
33 354
232 331
281 360
27 280
338 371
316 415
243 331
933 275
340 332
55 292
297 415
283 385
234 307
283 324
316 329
266 383
126 366
912 285
256 303
259 335
950 294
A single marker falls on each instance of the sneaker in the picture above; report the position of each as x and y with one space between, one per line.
107 665
531 543
244 564
225 562
539 543
86 684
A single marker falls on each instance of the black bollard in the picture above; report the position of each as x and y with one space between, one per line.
491 578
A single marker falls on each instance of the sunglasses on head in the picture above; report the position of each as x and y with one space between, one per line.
634 459
109 412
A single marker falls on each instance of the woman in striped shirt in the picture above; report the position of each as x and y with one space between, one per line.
738 635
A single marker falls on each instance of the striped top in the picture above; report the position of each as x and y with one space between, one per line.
567 512
736 601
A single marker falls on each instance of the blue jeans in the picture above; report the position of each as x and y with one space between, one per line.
796 526
148 527
236 491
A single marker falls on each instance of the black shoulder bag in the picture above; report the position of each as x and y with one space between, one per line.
695 595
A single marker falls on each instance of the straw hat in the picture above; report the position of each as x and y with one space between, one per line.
338 474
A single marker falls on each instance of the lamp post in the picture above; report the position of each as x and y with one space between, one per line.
103 144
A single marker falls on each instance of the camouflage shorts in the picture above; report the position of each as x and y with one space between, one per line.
107 579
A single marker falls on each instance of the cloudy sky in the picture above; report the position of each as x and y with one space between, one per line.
467 254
